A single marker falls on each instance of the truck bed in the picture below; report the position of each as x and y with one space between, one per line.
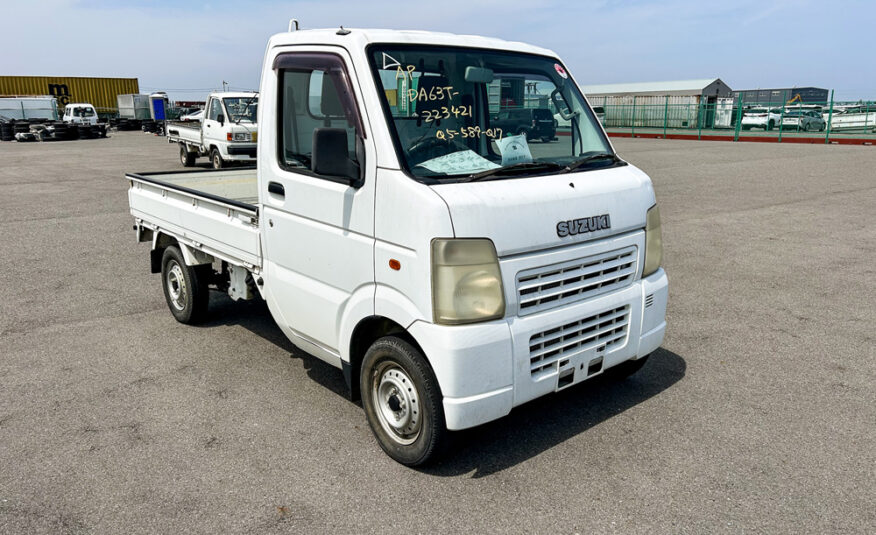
212 211
184 131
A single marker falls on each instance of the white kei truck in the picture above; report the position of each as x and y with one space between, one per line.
227 133
80 113
451 270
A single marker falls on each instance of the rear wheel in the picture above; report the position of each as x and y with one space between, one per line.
185 157
216 159
402 401
185 287
769 126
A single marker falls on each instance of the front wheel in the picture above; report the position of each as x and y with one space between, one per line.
216 159
186 287
402 401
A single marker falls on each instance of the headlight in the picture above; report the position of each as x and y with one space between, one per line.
466 282
241 136
653 242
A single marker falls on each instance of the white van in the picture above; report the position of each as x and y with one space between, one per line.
80 113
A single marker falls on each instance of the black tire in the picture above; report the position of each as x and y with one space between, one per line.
523 132
627 368
546 139
399 387
769 126
216 159
185 287
185 157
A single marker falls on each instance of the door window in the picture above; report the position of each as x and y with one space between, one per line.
215 110
314 93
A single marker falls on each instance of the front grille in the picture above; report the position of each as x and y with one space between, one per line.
559 284
604 330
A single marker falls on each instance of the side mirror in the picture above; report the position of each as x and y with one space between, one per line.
332 158
221 119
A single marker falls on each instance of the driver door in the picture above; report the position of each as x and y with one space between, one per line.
212 128
318 229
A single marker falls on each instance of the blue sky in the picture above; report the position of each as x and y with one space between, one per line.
188 48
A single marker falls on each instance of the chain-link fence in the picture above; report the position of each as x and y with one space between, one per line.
696 117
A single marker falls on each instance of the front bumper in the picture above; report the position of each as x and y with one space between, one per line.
240 151
484 370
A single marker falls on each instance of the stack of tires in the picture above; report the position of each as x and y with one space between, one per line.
6 132
20 127
87 131
60 130
128 124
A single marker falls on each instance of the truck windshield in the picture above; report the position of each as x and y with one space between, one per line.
464 113
241 108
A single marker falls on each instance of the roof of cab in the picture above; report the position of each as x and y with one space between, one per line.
360 38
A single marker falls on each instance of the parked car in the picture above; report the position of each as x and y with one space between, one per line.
193 116
806 120
536 123
761 118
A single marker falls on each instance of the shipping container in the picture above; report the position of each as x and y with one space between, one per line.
135 106
99 92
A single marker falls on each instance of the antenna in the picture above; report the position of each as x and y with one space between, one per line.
293 22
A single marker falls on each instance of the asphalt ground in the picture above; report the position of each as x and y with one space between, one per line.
758 415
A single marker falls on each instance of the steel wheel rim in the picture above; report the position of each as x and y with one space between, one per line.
176 285
182 156
397 403
215 161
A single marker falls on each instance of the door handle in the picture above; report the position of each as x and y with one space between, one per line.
276 188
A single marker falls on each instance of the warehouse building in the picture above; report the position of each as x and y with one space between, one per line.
675 104
814 95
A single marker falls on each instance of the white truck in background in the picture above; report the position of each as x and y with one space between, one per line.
228 131
80 113
450 270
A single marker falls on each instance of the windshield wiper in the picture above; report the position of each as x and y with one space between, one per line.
246 106
515 169
577 164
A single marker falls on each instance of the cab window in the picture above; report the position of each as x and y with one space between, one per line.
215 110
314 94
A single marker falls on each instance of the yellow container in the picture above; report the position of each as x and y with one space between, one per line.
99 92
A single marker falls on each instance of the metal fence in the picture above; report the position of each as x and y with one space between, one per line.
694 117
